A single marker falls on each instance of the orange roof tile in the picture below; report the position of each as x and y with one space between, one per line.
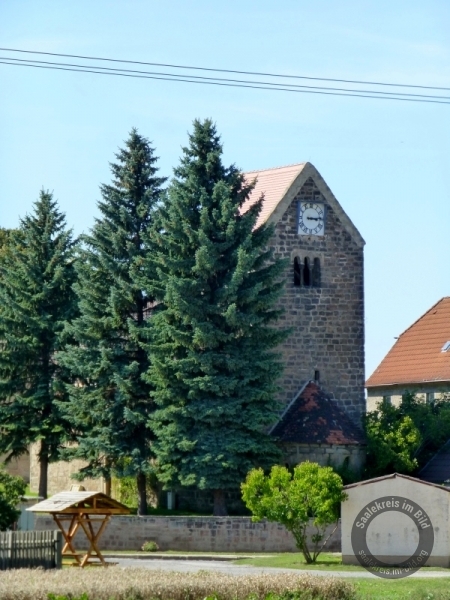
417 355
273 183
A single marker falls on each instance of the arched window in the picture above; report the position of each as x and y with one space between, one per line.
297 272
306 273
316 273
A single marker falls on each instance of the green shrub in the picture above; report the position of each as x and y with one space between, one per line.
294 499
150 546
11 490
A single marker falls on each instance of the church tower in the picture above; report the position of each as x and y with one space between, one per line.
323 301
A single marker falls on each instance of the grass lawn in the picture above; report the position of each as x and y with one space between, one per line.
402 589
327 561
28 492
175 553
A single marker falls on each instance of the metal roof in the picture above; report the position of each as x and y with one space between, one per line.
394 476
64 501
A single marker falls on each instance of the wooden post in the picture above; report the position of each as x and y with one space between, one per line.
57 536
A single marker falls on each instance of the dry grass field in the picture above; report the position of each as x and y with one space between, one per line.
115 583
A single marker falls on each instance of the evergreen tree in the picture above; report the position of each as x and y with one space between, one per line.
214 364
36 299
110 404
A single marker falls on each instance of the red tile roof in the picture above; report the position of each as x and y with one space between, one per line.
313 418
417 355
273 183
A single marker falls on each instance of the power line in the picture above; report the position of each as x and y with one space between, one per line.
290 87
258 73
186 79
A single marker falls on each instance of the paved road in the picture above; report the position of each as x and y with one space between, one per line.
192 566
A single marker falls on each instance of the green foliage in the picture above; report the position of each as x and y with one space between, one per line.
347 473
402 439
214 364
7 239
392 441
110 404
310 492
36 299
432 420
150 546
67 597
11 490
125 490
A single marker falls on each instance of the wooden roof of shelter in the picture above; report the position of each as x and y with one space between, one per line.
81 510
87 502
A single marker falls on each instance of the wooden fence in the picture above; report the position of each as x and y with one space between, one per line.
30 549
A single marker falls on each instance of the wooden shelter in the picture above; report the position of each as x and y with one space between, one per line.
89 511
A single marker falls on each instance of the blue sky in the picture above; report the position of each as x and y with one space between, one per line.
387 162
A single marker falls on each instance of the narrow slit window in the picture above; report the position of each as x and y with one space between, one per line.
297 272
316 273
306 273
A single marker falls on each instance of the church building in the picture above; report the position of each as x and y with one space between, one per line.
322 386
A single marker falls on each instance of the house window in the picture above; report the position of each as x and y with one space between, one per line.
306 273
317 376
387 399
429 397
297 272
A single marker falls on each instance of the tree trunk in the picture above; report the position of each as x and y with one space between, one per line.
43 471
220 507
142 494
108 486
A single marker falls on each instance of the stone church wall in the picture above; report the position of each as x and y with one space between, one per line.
59 475
327 321
332 455
19 467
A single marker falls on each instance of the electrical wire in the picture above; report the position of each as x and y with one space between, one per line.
258 73
236 85
209 79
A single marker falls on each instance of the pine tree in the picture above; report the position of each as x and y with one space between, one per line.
110 404
214 359
36 299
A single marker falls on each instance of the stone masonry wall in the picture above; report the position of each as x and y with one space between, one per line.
19 467
327 322
326 455
59 475
202 534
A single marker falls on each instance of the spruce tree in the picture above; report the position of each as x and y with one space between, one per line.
214 359
36 299
110 404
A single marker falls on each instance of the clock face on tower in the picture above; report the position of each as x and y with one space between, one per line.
311 218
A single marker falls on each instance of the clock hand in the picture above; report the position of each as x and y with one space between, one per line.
314 218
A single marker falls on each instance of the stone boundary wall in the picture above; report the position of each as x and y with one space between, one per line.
204 534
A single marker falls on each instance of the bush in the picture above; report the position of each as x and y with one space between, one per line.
116 583
311 492
11 490
150 546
